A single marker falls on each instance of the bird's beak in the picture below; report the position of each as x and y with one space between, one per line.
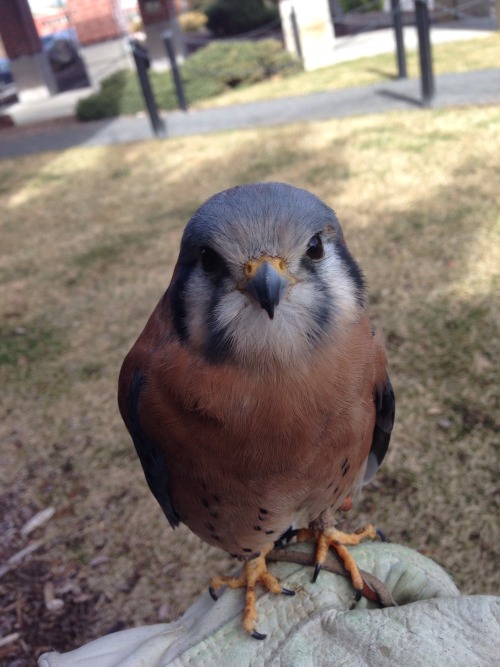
266 281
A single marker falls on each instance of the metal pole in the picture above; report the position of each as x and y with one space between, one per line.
296 35
398 33
167 37
424 51
142 63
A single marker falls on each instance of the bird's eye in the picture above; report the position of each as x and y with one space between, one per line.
315 248
211 261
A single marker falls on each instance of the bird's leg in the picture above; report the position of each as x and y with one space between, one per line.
331 537
254 571
346 505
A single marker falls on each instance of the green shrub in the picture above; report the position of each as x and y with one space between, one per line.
208 72
232 64
361 5
234 17
120 93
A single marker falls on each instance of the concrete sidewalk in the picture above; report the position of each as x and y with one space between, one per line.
452 90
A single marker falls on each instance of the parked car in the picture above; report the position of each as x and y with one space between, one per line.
8 90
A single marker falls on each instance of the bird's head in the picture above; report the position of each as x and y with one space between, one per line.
263 274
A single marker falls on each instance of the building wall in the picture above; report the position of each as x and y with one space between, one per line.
19 34
51 21
96 21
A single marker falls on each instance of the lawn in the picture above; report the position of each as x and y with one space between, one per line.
89 239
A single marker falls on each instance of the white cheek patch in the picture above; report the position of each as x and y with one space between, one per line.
341 289
230 308
302 298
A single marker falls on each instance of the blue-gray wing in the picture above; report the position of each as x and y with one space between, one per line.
385 405
151 458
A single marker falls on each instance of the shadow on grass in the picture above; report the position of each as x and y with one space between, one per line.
442 338
390 76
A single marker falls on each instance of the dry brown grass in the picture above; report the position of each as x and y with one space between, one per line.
89 237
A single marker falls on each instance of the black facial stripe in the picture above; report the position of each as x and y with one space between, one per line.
354 272
218 345
322 316
192 256
323 309
178 302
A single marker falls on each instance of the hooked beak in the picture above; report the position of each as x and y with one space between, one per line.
266 281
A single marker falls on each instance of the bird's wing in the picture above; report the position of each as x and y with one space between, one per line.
385 405
151 458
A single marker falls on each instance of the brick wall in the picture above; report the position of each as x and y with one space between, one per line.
96 21
18 30
51 22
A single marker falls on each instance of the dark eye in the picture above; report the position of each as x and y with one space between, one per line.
315 248
211 261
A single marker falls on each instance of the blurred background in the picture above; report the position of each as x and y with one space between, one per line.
90 234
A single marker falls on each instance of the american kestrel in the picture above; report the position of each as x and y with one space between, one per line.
257 395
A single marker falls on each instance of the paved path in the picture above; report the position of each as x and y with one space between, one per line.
478 87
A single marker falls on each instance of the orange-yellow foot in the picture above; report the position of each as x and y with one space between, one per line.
331 537
254 571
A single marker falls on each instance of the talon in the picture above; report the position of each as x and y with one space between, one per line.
287 537
331 537
382 535
358 594
213 594
254 572
287 591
